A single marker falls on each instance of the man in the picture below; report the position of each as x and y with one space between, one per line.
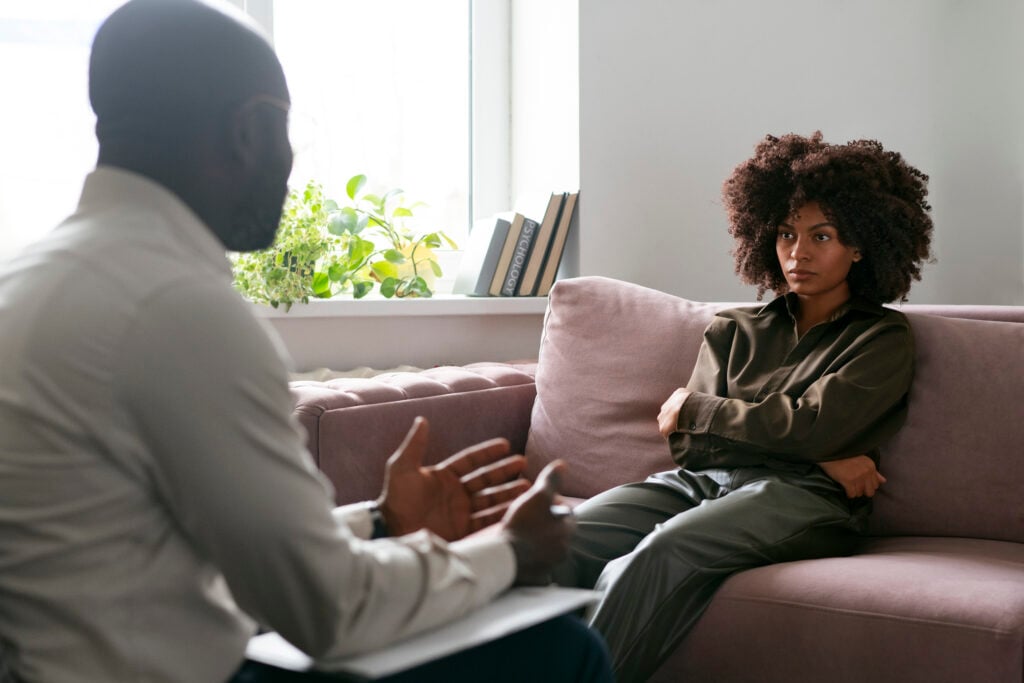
155 500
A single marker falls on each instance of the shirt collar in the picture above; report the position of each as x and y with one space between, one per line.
108 186
786 303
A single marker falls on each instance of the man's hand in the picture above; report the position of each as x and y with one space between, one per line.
539 537
668 418
857 475
463 494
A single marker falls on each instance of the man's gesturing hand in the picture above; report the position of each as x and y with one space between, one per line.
539 537
857 475
463 494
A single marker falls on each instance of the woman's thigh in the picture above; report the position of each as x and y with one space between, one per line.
614 522
761 521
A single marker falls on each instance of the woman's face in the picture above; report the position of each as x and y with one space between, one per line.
813 259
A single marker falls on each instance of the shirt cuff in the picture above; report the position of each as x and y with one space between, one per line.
492 559
697 413
356 517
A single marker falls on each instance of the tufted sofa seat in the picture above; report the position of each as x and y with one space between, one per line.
364 420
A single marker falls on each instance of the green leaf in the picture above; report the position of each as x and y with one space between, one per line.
361 288
336 224
359 249
321 284
354 185
335 272
385 270
449 240
376 201
394 256
434 266
401 211
421 286
345 220
388 287
330 205
432 240
363 220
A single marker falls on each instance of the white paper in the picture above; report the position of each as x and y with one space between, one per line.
513 611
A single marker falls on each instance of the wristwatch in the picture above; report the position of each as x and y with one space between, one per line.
380 526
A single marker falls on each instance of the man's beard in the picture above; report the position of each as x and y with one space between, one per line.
256 219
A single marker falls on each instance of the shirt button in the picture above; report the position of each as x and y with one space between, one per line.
693 425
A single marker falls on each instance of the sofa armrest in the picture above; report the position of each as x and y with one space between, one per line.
353 425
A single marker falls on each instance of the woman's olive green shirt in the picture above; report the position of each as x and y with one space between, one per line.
763 396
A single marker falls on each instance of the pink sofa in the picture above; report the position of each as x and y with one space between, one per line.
935 593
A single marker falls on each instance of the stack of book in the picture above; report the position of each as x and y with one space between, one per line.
519 257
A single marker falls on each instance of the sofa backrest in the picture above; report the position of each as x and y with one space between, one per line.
956 468
612 351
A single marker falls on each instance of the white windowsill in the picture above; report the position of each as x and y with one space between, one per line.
439 305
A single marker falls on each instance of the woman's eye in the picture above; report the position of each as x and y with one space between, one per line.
822 237
783 235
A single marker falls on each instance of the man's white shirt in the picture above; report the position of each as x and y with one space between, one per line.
154 489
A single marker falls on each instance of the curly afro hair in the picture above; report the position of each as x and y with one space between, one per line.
875 199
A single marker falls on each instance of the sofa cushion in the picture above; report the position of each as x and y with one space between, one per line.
904 610
611 353
956 468
353 424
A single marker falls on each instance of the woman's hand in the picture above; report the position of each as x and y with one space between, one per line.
668 418
857 475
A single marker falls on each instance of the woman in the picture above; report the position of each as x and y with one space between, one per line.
777 431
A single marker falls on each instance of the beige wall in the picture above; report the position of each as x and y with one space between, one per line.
674 93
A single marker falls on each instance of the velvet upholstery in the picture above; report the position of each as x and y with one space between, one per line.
353 425
957 466
903 610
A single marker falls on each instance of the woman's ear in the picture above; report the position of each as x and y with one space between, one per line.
857 255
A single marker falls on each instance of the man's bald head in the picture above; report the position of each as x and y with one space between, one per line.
192 96
161 68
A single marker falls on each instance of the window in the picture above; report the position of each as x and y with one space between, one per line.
468 105
49 144
382 88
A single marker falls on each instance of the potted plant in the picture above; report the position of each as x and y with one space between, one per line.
323 249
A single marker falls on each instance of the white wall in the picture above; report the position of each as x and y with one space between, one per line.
675 93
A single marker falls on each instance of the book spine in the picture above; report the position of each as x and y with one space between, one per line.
566 222
519 257
538 254
490 262
505 258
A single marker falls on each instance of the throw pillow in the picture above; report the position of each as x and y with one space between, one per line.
610 355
